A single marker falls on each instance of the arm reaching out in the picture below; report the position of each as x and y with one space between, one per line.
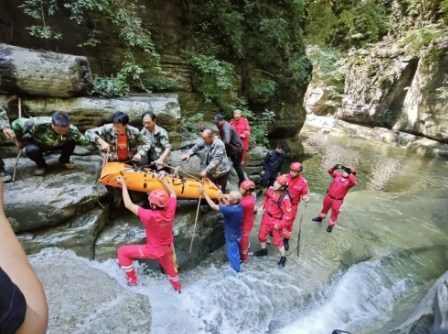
167 185
126 198
212 204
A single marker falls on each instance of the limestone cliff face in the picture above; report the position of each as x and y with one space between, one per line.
385 87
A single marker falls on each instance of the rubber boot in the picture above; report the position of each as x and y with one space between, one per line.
317 219
261 252
329 229
282 262
132 278
286 243
178 291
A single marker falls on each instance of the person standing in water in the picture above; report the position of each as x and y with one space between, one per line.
159 221
277 215
248 202
232 210
334 198
298 189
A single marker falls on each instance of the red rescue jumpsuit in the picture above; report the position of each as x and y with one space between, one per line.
298 188
159 244
335 195
248 204
242 128
275 215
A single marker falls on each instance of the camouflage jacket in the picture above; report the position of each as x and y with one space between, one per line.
39 131
213 158
158 142
4 121
137 143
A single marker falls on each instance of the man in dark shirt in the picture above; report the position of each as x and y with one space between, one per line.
272 166
233 144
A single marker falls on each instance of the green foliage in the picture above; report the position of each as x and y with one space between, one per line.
321 22
261 90
415 40
39 9
110 87
444 11
188 120
160 84
259 129
384 82
327 67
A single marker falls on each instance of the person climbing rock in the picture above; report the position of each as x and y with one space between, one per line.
298 189
157 137
272 166
158 221
124 142
241 125
214 160
43 134
278 208
334 198
232 210
6 129
233 144
248 203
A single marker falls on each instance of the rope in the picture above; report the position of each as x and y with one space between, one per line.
195 222
177 168
298 235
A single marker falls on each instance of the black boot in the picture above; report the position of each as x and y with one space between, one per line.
161 269
317 219
286 243
329 229
282 262
261 252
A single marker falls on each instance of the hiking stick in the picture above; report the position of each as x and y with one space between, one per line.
300 230
196 221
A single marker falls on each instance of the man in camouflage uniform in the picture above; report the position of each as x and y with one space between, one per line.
123 141
157 137
4 125
42 134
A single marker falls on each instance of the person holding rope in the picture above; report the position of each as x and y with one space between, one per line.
214 160
159 221
278 208
43 134
298 189
248 204
6 129
157 137
232 210
334 199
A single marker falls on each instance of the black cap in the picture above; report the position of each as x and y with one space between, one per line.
218 118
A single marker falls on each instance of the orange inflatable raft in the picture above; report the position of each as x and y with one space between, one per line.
144 180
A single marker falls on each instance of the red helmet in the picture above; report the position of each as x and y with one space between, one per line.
248 185
159 197
283 180
296 166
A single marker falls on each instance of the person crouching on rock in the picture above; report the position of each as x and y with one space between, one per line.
298 189
277 215
334 198
248 203
42 134
232 211
159 221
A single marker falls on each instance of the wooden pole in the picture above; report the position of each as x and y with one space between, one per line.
196 221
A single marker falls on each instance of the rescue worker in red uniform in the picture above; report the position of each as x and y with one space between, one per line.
248 202
335 194
159 221
277 215
242 128
298 189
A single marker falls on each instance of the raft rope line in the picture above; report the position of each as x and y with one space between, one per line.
196 221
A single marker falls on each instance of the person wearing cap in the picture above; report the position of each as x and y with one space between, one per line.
248 202
6 129
272 166
158 221
342 183
277 204
298 189
232 210
233 144
241 125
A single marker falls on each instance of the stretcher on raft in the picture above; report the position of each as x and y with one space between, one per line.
145 180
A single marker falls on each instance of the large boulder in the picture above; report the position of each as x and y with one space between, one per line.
321 100
255 156
83 299
126 229
78 234
424 110
87 112
30 72
34 202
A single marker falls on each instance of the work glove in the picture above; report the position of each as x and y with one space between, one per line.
347 170
338 166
